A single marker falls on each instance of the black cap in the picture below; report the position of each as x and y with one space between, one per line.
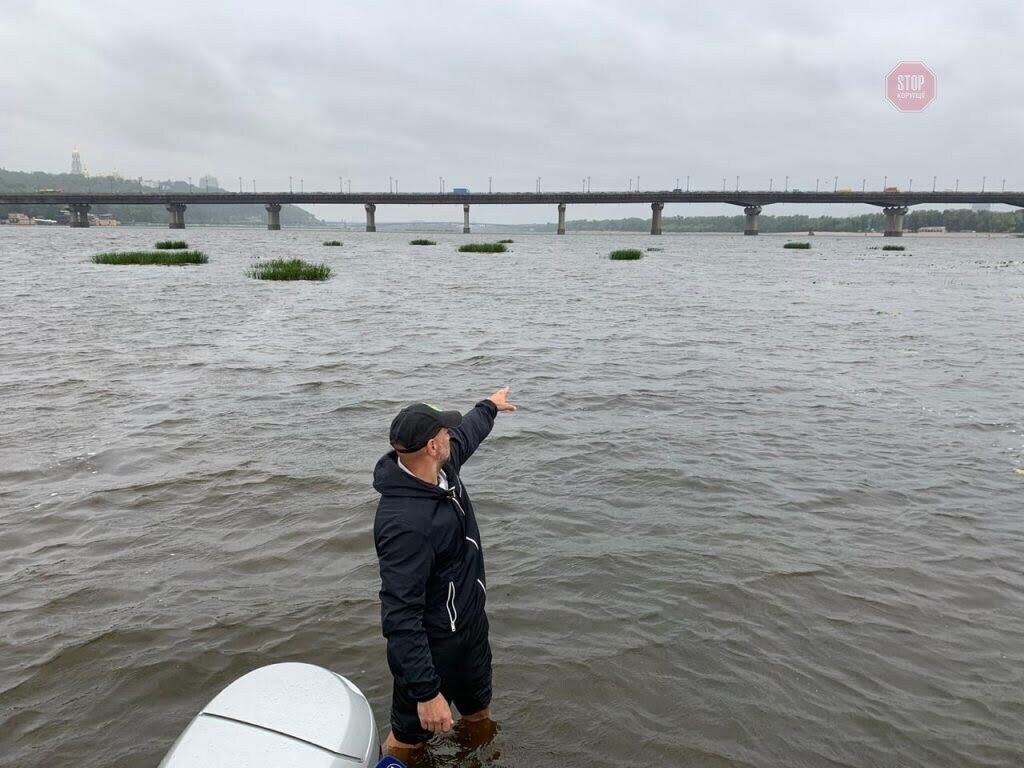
414 426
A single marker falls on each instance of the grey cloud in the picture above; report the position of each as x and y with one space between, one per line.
513 90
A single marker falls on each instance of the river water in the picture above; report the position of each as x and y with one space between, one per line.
758 507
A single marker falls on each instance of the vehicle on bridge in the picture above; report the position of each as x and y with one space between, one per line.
891 189
51 191
460 191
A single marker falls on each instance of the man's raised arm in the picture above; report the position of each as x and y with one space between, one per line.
476 425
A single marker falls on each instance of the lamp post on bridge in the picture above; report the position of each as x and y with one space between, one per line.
863 184
289 185
910 186
302 185
239 185
817 183
1003 189
983 183
934 178
723 183
770 182
885 182
687 183
737 183
254 186
835 183
190 185
786 187
957 187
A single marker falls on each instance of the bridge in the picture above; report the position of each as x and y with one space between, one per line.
893 204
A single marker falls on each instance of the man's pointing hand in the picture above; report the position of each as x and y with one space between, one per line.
500 399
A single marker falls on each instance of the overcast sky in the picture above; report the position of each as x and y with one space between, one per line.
512 90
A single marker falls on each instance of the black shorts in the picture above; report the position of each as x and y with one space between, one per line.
463 662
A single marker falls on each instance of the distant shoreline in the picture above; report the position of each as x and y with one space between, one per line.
482 229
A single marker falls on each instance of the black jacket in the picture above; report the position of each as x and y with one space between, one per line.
431 557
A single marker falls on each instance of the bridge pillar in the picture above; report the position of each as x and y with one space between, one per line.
273 215
656 218
894 220
371 218
751 212
79 215
561 218
465 218
177 211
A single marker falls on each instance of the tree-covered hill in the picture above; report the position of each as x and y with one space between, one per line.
16 181
954 220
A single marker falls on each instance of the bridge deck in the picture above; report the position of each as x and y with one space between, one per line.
741 198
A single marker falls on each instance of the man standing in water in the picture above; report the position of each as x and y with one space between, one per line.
433 588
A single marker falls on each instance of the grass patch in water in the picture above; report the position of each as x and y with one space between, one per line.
626 254
422 241
167 245
289 269
507 240
655 249
894 248
800 246
482 248
150 257
332 242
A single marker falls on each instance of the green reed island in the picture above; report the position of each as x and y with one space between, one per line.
626 254
167 245
175 258
289 269
483 248
422 241
798 246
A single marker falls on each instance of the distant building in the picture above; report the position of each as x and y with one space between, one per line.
208 182
981 206
76 163
149 184
931 229
104 220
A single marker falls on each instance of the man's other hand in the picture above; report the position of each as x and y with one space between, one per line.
500 399
435 715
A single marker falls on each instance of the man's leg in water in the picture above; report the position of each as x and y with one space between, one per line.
476 717
395 748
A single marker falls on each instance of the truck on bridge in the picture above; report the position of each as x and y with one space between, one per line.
460 191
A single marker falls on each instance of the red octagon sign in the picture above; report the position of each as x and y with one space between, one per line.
910 86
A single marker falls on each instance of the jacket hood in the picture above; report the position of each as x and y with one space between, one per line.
389 479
